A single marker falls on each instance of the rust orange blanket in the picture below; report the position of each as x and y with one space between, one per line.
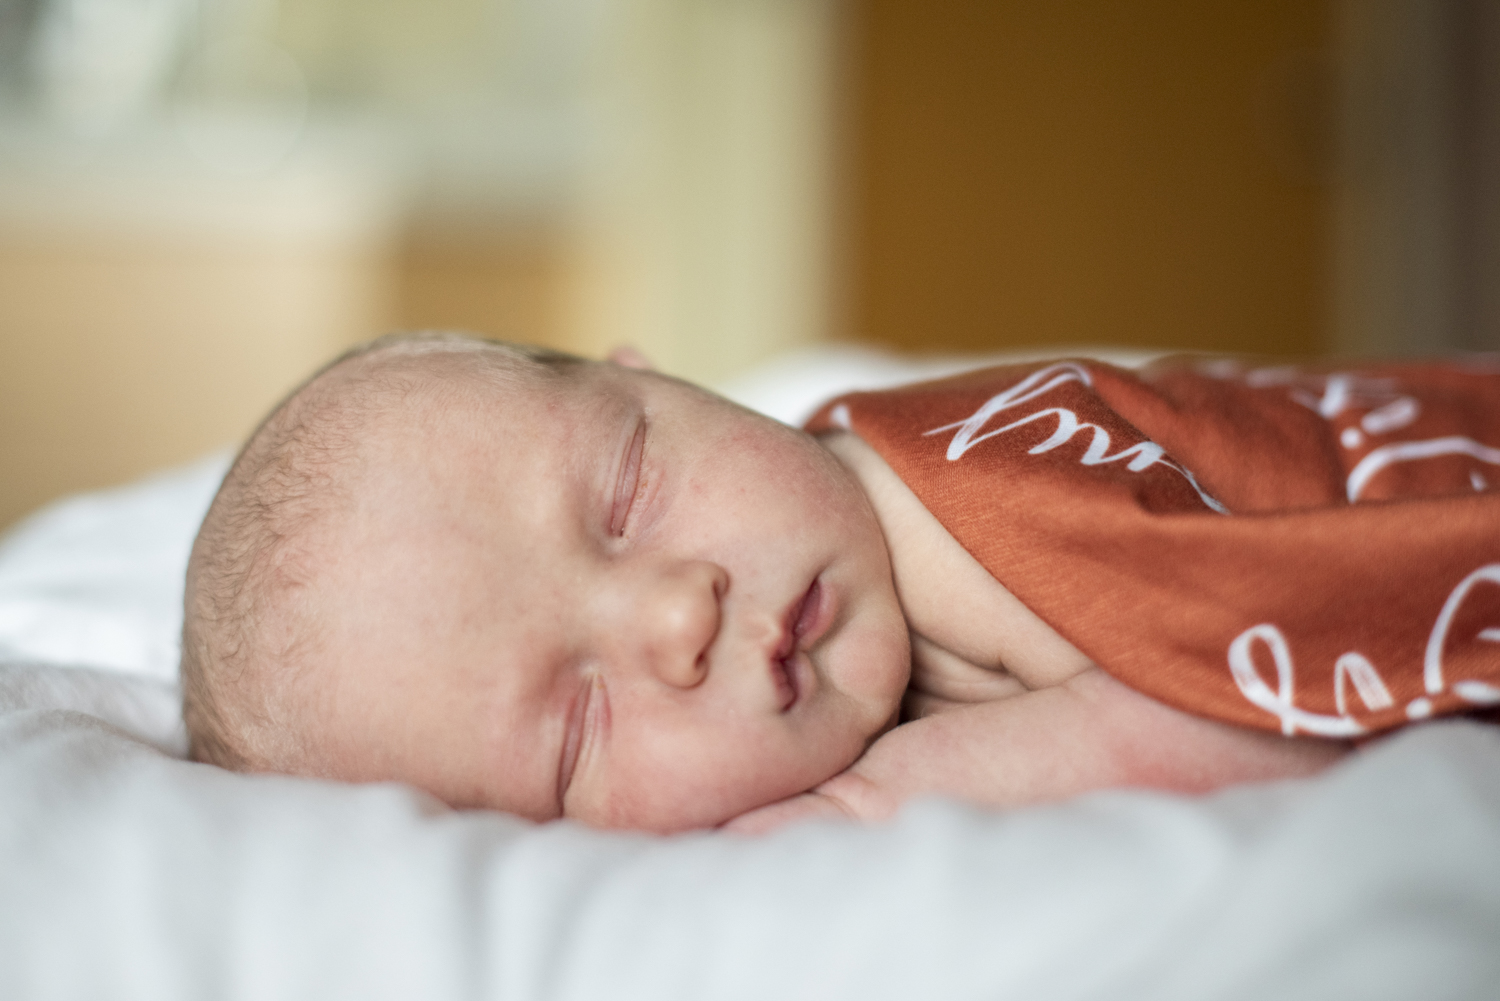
1307 551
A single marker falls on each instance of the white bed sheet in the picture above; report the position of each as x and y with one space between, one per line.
127 872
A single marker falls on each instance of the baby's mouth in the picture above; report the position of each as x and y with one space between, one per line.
786 663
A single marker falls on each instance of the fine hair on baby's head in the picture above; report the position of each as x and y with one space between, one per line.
243 640
521 580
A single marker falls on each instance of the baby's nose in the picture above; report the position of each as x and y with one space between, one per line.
674 617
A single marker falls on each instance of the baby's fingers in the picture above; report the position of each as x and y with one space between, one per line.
807 806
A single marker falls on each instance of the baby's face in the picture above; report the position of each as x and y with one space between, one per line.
609 596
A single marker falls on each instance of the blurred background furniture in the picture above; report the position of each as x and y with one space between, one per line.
202 200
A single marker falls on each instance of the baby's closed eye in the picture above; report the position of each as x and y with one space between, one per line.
584 717
628 484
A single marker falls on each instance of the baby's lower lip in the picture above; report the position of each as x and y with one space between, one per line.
785 671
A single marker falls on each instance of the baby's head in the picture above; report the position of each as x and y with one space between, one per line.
526 581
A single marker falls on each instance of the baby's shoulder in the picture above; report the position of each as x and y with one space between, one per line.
957 611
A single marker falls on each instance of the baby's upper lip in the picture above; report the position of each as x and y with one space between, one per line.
797 619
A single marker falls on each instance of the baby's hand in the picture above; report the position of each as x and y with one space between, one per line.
1090 732
804 807
846 795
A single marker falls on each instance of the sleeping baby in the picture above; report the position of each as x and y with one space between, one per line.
562 588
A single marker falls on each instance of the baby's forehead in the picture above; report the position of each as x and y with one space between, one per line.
409 373
390 396
439 418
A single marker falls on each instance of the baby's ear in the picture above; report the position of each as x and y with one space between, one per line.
628 357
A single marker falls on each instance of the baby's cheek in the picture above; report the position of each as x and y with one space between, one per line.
877 669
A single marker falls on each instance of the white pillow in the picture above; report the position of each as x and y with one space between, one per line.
97 579
146 708
91 603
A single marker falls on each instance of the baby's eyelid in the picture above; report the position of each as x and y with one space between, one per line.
627 487
573 738
584 719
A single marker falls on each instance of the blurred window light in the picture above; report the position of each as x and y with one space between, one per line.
97 63
242 105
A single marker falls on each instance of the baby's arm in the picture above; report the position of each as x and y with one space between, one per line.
1090 732
1008 711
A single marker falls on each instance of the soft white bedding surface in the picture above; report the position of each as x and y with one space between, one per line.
125 872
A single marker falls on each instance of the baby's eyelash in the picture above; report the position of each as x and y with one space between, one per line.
628 487
590 709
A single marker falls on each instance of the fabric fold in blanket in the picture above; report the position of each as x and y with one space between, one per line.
1310 551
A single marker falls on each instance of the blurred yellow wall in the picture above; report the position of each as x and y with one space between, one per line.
151 312
124 353
1090 172
1014 173
507 284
